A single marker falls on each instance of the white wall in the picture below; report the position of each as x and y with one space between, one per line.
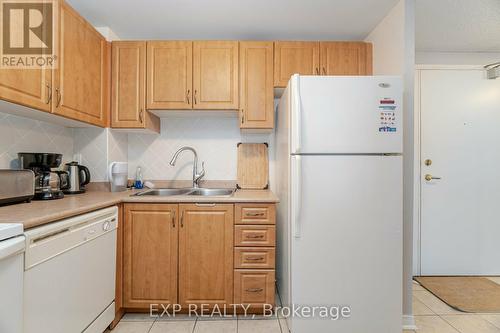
394 54
388 40
457 58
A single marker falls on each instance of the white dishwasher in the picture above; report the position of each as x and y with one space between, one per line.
11 277
69 278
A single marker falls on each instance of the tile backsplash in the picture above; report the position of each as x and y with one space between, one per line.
214 138
19 134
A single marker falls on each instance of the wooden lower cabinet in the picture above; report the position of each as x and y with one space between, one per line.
119 311
189 254
150 255
206 254
254 288
254 213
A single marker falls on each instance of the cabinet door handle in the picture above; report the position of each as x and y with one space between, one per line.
182 219
255 258
317 71
212 204
58 95
173 219
255 236
324 71
187 96
195 92
242 116
254 214
140 115
254 290
49 94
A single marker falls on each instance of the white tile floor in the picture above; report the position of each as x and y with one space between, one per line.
142 323
431 315
434 316
181 323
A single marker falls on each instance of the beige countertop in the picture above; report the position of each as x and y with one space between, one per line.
37 213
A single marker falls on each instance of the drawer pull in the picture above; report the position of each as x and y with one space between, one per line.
254 214
205 204
255 258
254 290
255 236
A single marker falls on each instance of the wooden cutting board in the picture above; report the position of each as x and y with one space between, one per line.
253 166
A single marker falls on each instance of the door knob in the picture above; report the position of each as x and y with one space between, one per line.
429 177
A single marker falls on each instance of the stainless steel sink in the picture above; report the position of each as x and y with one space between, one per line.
165 191
212 192
187 191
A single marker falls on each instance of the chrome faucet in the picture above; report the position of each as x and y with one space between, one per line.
196 176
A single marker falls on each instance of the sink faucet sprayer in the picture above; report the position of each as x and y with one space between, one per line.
196 176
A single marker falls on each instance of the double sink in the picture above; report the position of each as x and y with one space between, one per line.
187 191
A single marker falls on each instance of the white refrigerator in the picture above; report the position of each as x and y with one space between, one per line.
339 180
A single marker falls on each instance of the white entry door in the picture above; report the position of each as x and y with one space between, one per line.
460 155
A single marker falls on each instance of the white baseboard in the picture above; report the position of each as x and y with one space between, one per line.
409 322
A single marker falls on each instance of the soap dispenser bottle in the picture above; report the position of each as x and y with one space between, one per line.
138 179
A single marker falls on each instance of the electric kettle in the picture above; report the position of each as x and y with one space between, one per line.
78 175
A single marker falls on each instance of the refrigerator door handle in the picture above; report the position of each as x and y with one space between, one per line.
297 114
297 195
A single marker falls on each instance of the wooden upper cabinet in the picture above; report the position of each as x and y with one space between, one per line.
346 58
128 87
215 75
28 87
81 81
206 254
170 75
256 85
294 58
150 239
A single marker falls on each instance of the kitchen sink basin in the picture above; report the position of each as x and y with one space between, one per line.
187 191
212 191
165 192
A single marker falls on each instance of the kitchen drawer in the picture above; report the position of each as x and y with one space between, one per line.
254 235
255 213
254 257
254 287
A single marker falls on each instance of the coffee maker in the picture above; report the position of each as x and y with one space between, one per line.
49 184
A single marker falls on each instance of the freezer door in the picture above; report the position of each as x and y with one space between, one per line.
346 114
347 241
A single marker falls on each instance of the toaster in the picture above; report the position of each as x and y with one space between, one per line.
16 186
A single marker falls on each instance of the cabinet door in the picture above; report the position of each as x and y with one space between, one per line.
206 254
82 75
28 87
256 85
346 58
215 75
294 58
150 255
128 84
170 75
254 288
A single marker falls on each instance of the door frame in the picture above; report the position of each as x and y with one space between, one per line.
417 166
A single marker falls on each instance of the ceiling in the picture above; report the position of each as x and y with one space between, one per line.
458 25
236 19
